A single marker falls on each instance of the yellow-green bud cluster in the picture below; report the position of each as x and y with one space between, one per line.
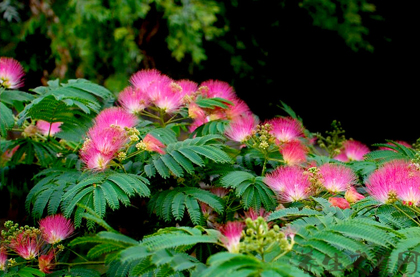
262 137
12 230
260 238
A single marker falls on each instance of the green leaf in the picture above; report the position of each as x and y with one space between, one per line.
7 120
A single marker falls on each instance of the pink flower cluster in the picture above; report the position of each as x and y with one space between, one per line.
11 73
46 128
32 243
106 137
336 177
395 180
353 150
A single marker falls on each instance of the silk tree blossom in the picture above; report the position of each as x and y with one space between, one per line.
339 202
194 111
397 179
11 73
219 191
238 109
93 158
231 235
352 196
336 177
169 98
108 140
116 116
242 128
151 144
286 129
3 258
216 88
46 263
45 127
197 123
189 90
26 244
353 150
290 182
133 100
55 228
144 78
294 152
254 214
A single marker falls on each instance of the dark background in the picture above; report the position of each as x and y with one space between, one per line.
284 57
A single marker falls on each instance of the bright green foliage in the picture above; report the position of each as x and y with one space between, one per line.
171 204
252 190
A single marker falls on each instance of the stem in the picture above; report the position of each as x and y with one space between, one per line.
398 208
77 254
264 165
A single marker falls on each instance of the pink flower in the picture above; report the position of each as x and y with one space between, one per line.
26 245
152 144
189 90
216 88
133 100
294 152
145 77
107 140
166 95
11 73
253 214
286 129
337 177
194 111
197 123
242 128
290 182
238 109
352 196
339 202
352 151
55 228
3 258
231 235
115 116
45 127
45 262
219 191
397 179
93 158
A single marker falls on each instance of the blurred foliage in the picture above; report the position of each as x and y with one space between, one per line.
107 41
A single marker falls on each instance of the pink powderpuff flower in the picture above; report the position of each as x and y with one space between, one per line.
107 140
242 128
11 73
336 177
231 235
339 202
219 191
397 179
194 111
294 152
238 109
189 90
116 116
93 158
216 88
290 182
26 245
169 98
3 258
253 214
144 78
45 127
286 129
55 228
197 123
353 150
45 262
133 100
404 143
152 144
352 196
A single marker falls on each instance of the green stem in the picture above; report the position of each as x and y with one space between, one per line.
264 165
77 254
398 208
